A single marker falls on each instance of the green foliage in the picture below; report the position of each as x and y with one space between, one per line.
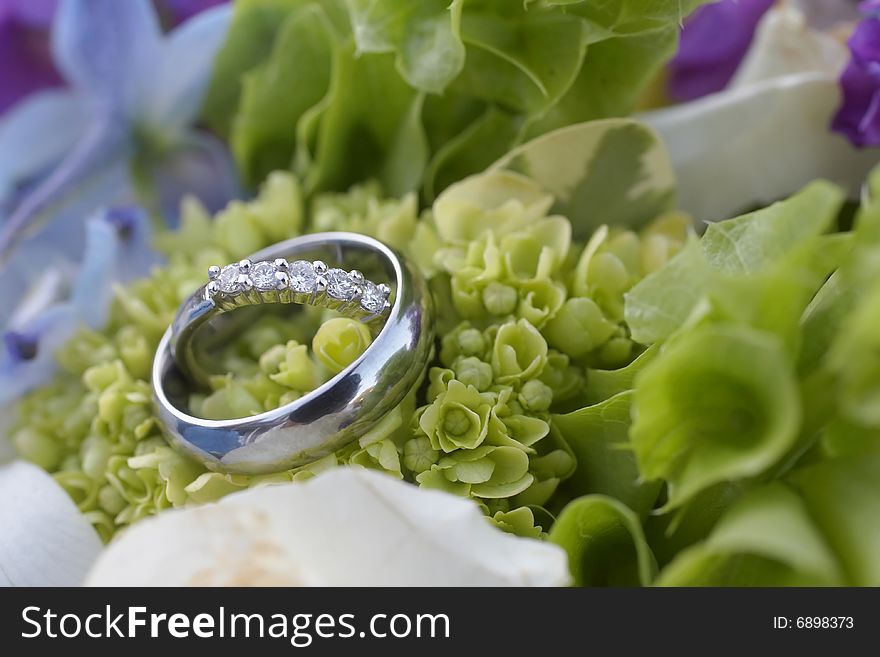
423 93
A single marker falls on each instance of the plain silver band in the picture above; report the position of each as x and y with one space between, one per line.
334 414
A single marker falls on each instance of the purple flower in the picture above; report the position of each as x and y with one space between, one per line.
25 59
177 11
26 63
714 41
859 115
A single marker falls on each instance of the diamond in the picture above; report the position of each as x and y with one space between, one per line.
372 299
303 277
229 280
340 285
262 276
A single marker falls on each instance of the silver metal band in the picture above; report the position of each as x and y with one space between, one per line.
337 412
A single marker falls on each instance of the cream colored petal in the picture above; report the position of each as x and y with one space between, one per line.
44 539
786 44
757 144
348 526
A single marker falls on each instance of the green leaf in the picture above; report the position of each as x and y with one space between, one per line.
658 305
612 78
264 133
474 148
255 25
767 539
780 243
753 241
423 35
522 59
720 403
630 15
366 103
604 542
843 498
673 531
599 438
617 165
604 384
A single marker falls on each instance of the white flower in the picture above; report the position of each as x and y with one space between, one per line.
349 527
767 134
44 539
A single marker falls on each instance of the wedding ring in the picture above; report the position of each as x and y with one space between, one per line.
390 296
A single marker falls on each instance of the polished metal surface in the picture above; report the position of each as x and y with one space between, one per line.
331 416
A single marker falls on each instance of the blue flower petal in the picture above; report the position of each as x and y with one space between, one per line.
185 69
106 49
117 250
27 354
104 145
62 241
35 135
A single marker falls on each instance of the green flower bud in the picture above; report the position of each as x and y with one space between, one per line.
519 521
439 379
110 500
296 371
418 455
499 299
540 300
85 350
135 351
498 200
509 474
194 232
237 232
435 479
458 418
616 353
473 372
519 352
578 328
462 341
37 447
277 210
467 297
382 455
471 466
101 377
339 342
563 378
535 395
538 251
232 400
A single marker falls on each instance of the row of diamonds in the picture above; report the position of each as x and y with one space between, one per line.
299 276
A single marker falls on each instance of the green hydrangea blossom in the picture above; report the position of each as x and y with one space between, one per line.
513 293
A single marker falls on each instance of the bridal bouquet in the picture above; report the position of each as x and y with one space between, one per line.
653 253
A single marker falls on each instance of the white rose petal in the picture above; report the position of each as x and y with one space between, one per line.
785 44
44 539
346 527
757 144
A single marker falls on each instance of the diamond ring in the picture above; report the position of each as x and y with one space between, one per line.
249 283
400 316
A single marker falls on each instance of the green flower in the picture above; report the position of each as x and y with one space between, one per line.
458 418
339 342
464 340
519 352
498 201
579 327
